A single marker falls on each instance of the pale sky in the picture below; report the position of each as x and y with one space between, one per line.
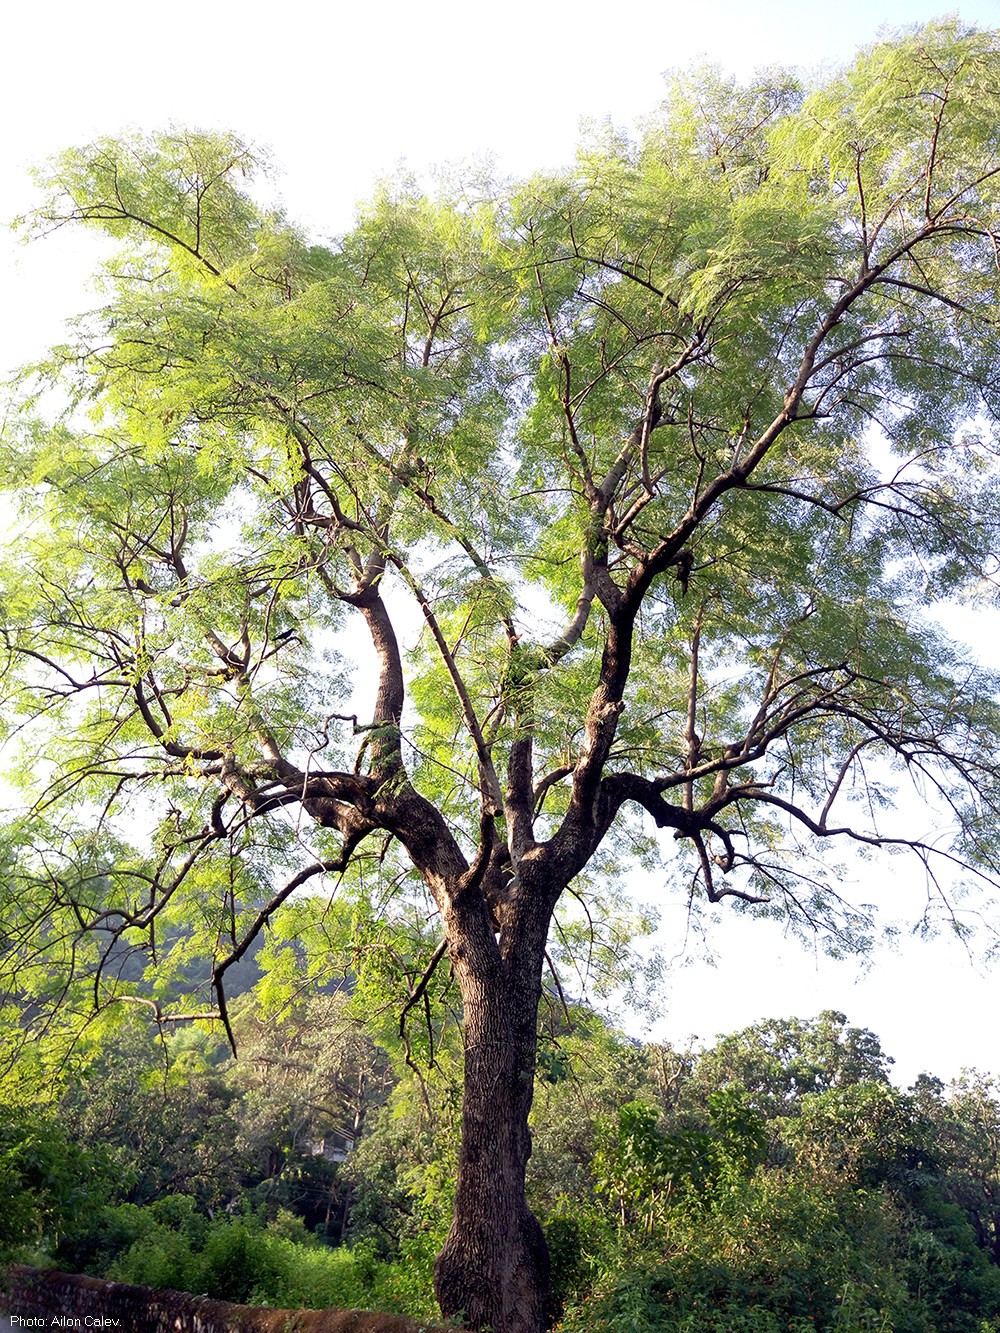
344 93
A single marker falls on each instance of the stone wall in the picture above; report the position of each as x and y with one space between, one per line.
46 1299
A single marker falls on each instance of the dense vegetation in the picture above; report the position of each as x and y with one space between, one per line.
775 1180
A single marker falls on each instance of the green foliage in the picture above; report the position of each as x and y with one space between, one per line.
782 1251
965 1125
866 1133
696 1204
774 1255
957 1282
780 1061
48 1183
599 1069
234 1259
164 1112
638 1167
829 1214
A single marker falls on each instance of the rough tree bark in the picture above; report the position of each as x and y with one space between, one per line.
494 1267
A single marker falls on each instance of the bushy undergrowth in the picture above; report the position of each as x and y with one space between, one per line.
770 1251
688 1231
777 1258
768 1254
250 1261
778 1182
243 1259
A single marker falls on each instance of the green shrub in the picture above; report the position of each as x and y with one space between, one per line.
766 1254
168 1244
160 1258
49 1187
313 1277
236 1263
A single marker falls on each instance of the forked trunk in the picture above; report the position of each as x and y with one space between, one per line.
494 1267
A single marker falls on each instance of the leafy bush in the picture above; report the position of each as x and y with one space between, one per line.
806 1203
313 1277
168 1244
49 1186
644 1172
768 1255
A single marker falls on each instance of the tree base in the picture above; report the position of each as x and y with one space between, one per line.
497 1281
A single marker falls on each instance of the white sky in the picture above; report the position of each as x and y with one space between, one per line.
342 93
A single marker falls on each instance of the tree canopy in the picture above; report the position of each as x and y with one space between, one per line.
670 456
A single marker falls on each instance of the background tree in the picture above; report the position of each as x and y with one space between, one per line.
50 1185
966 1123
779 1061
308 1076
163 1112
669 455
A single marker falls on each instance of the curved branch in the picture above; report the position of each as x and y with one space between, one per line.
337 865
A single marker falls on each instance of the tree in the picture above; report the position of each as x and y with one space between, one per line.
307 1085
163 1115
781 1060
670 454
50 1185
967 1138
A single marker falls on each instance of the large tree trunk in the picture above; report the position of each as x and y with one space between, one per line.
494 1267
